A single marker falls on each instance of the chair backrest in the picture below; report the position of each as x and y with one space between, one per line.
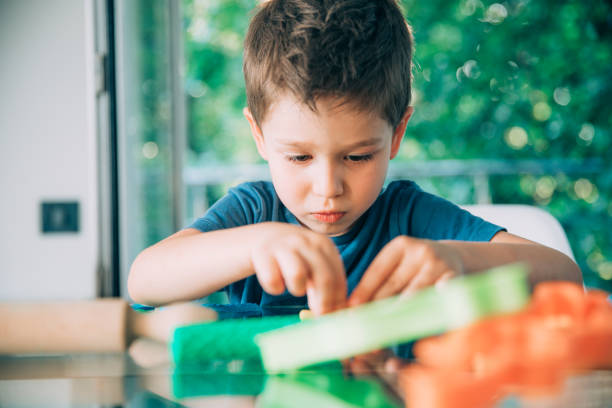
526 221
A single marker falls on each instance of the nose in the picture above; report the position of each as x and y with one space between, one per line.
328 180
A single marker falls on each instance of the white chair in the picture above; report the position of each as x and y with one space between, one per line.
526 221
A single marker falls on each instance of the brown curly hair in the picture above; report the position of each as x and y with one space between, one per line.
356 51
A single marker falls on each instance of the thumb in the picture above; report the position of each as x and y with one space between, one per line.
314 298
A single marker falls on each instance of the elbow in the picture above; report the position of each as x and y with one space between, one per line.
554 265
571 270
133 288
137 281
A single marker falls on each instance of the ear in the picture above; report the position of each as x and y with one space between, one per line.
398 132
256 133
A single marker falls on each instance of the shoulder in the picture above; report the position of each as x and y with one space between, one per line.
401 187
409 200
407 193
401 192
246 203
430 216
395 205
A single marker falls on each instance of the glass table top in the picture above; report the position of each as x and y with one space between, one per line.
143 376
116 379
127 380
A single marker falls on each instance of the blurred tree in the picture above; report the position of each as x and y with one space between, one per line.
214 31
518 79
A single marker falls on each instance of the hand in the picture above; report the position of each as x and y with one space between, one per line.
377 361
302 261
382 363
405 265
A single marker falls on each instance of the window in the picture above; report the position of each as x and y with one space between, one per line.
509 108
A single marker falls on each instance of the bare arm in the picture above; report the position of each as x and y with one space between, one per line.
407 264
544 263
191 264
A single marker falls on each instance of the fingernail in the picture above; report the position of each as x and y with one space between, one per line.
406 294
440 284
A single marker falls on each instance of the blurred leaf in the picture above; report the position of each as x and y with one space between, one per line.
482 69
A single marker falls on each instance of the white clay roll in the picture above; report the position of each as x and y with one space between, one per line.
103 325
60 327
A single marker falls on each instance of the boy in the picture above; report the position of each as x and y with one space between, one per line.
328 89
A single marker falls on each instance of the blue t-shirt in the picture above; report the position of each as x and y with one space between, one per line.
402 208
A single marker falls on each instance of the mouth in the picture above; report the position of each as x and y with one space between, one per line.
328 217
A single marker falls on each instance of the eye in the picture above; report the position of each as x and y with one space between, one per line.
358 157
299 158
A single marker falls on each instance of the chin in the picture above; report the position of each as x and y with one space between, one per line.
334 231
322 229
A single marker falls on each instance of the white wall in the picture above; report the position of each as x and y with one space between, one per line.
47 147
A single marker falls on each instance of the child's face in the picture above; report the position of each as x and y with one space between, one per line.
327 167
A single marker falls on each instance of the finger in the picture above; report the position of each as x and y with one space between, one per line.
378 271
427 276
359 366
268 273
398 281
331 256
442 280
294 271
369 362
393 365
375 357
313 296
328 284
321 296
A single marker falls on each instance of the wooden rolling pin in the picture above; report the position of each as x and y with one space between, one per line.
103 325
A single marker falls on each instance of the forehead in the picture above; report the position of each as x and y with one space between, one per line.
288 120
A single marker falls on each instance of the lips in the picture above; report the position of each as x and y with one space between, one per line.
328 217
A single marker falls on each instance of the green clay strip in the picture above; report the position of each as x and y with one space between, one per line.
395 320
230 339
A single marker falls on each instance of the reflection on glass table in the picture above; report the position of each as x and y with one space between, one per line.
144 377
116 380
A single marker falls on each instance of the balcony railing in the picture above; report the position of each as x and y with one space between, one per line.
199 179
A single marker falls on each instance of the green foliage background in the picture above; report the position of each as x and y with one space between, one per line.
520 79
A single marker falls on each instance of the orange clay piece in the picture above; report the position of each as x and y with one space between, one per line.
563 329
439 388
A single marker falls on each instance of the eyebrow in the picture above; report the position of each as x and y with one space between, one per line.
362 143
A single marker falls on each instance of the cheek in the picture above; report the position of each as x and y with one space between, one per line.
369 183
286 182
